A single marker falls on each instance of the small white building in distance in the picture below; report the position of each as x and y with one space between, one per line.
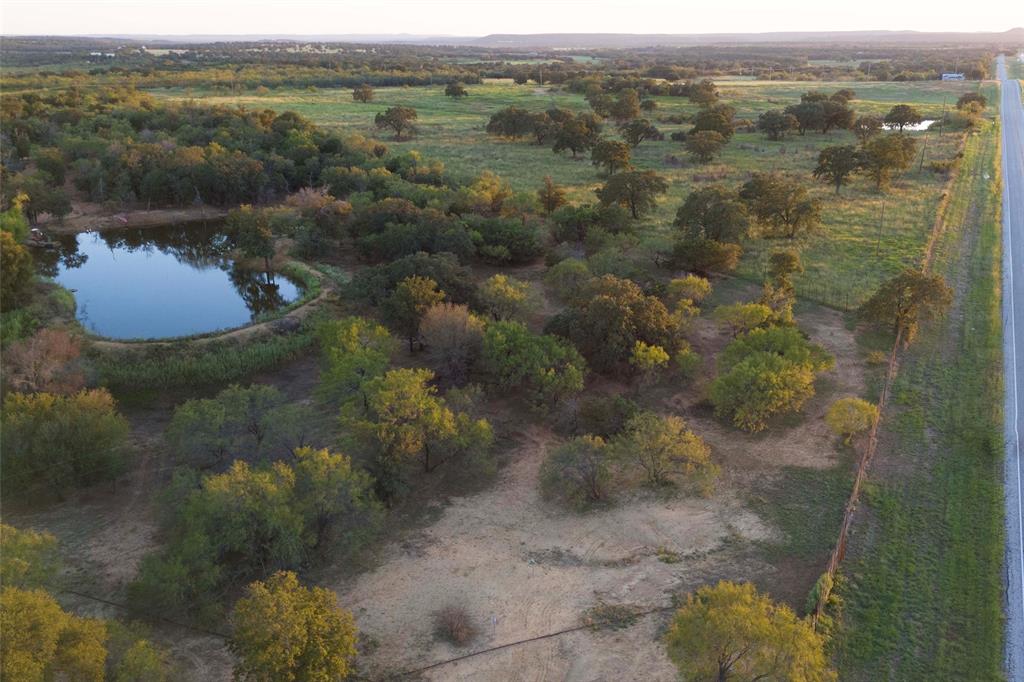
952 76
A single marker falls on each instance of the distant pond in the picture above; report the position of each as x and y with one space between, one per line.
162 282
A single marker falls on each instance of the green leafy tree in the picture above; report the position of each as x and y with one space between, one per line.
335 500
666 451
718 119
836 164
636 131
401 120
766 372
250 229
867 126
545 366
906 300
405 308
611 155
577 134
456 91
781 205
286 632
713 212
849 416
635 190
903 115
884 155
355 350
551 196
513 122
504 297
808 115
775 124
730 632
578 472
703 93
703 146
362 93
51 443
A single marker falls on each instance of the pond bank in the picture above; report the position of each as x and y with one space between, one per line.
86 217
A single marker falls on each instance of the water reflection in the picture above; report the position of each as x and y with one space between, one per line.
161 282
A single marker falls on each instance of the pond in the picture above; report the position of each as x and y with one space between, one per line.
162 282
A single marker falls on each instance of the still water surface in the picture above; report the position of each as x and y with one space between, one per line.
162 282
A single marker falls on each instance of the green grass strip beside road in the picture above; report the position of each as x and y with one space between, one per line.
922 598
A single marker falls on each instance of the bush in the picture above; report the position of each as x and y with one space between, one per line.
849 416
55 443
454 625
567 278
706 255
577 472
547 368
665 451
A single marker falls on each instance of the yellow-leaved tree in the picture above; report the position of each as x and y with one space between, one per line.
730 632
286 632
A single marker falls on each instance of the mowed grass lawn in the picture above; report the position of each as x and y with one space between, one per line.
867 235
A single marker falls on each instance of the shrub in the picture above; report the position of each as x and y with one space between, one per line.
693 288
567 278
706 255
741 317
454 625
849 416
55 443
546 367
577 472
666 451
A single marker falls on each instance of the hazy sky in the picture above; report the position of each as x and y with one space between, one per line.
480 17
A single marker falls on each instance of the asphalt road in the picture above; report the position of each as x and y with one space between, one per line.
1013 360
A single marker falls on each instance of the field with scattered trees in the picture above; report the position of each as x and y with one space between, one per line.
589 350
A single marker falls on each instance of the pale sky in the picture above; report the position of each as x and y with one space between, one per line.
480 17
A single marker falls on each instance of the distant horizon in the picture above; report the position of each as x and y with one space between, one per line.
478 18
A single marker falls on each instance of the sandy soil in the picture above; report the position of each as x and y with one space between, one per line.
89 217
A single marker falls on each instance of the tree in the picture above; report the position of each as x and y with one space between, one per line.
704 145
13 220
578 472
666 451
551 196
906 300
692 288
610 316
766 372
407 421
626 105
704 93
399 119
636 131
884 155
16 272
713 212
45 362
836 164
546 367
705 255
635 190
407 304
969 98
775 124
43 642
250 229
452 336
730 632
285 631
867 126
835 114
849 416
718 118
611 155
56 443
504 297
567 278
511 122
781 205
335 499
778 292
362 93
355 350
903 115
577 134
740 318
808 115
455 90
238 423
647 360
28 558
